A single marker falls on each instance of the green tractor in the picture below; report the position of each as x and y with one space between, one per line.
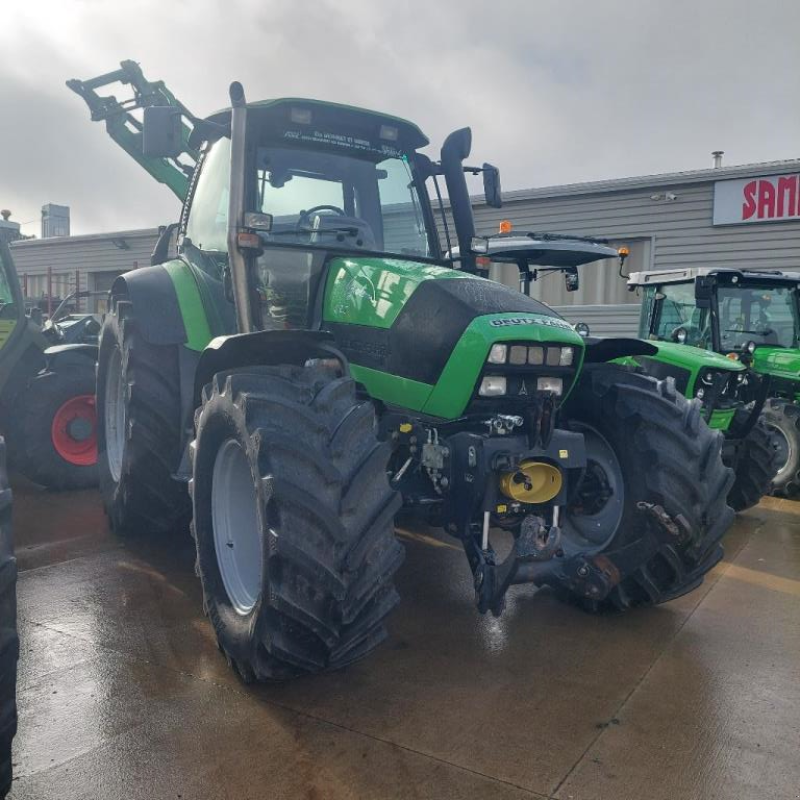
308 363
751 319
731 395
47 404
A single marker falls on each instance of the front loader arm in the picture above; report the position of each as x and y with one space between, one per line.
126 129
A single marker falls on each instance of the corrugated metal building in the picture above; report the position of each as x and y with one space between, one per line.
746 215
88 262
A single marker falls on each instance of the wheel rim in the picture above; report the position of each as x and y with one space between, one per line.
593 517
785 450
114 415
234 515
74 431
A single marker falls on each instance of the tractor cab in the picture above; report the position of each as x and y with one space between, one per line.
537 254
730 311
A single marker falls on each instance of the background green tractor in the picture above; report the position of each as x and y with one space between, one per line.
732 397
308 363
750 318
47 405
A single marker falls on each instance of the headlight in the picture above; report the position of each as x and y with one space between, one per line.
492 386
536 356
554 385
497 355
566 357
553 356
518 355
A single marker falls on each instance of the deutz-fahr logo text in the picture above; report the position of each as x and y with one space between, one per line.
553 322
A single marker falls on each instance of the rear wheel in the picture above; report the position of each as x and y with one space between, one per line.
782 418
293 519
138 428
647 449
755 467
56 429
9 642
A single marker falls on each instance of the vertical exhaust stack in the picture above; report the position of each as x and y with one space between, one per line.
717 156
455 149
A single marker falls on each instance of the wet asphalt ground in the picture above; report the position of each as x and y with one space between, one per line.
123 693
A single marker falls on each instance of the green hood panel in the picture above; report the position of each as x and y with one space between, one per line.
373 291
781 362
694 358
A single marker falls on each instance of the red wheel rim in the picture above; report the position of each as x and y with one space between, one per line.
74 431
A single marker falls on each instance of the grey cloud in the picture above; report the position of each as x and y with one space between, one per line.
555 90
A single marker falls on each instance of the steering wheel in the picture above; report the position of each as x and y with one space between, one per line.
305 216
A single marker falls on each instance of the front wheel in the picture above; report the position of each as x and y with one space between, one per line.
293 521
650 507
782 418
755 466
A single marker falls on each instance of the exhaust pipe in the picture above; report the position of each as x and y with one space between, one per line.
455 149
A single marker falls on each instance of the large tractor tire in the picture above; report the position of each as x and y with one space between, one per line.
782 418
755 468
651 507
54 441
138 429
9 642
293 520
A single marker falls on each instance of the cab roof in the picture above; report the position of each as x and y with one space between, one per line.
545 249
660 277
302 112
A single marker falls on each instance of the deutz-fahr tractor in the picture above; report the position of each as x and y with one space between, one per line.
47 404
308 363
751 319
732 396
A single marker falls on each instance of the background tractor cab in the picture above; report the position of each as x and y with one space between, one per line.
750 316
541 253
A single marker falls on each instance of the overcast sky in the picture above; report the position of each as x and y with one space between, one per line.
555 91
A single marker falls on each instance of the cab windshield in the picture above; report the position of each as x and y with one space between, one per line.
766 315
338 200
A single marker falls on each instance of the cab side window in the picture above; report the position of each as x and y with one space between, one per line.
207 227
678 309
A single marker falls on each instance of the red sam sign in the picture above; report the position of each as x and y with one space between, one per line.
769 199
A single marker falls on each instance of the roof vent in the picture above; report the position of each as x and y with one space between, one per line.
717 156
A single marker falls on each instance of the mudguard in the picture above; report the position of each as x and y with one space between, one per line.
602 350
263 348
61 356
153 295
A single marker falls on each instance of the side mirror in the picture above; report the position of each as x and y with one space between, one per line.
491 186
162 135
703 288
572 280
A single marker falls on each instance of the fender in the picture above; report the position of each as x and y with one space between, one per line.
601 350
61 356
155 301
263 348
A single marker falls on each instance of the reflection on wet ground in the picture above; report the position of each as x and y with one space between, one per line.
123 693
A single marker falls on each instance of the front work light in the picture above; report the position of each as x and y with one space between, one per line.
554 385
492 386
497 355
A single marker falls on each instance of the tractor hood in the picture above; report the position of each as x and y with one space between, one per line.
694 358
418 335
542 249
781 362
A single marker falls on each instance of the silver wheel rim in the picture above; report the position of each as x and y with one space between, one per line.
114 415
594 531
234 517
785 448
